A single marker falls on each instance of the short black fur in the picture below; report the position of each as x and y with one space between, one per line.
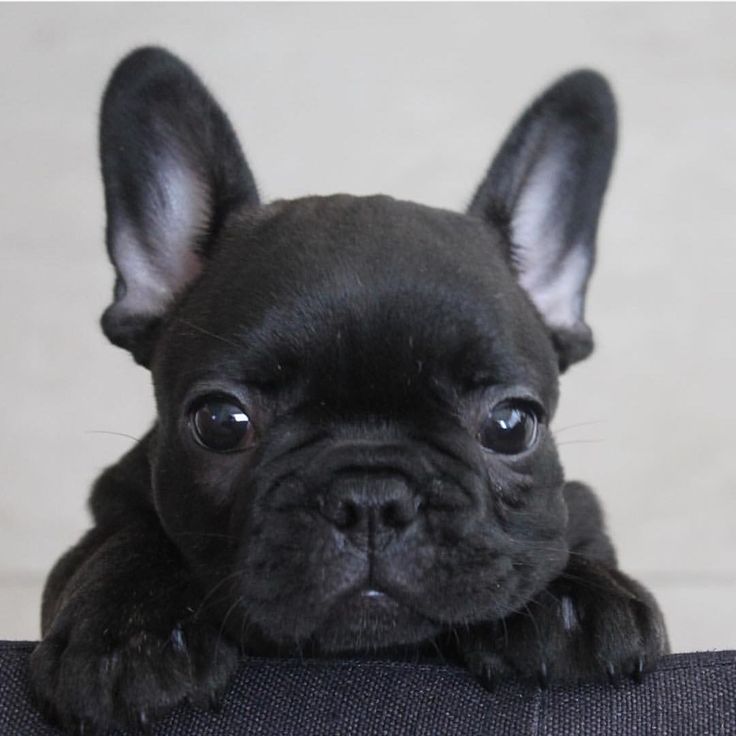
359 349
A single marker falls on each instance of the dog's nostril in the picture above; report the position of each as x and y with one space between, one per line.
347 515
367 504
399 514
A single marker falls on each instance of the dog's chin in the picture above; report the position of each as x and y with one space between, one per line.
369 620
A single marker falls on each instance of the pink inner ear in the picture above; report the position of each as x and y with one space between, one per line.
558 292
554 273
157 264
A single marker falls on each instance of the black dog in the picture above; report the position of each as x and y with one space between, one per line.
352 450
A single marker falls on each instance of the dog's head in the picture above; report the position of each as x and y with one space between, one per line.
352 447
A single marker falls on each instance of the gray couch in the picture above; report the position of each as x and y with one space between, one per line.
688 695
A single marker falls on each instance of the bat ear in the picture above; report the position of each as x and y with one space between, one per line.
545 189
173 171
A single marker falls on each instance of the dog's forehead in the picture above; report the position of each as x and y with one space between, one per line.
373 281
346 248
377 238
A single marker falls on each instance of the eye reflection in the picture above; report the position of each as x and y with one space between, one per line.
222 425
509 428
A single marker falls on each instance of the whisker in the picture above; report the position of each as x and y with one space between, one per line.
245 628
456 636
217 585
437 649
581 442
114 434
536 630
203 331
585 582
224 622
575 426
505 633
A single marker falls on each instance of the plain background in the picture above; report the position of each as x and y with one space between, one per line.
410 100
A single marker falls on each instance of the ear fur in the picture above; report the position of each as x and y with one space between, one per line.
545 190
173 171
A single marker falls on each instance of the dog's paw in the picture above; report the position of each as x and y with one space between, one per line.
592 623
90 678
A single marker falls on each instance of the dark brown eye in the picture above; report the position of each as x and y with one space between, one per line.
509 428
222 425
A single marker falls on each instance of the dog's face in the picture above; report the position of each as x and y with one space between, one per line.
354 393
362 409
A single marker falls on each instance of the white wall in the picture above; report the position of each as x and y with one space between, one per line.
409 100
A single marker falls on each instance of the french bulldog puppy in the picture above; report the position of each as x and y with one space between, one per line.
352 449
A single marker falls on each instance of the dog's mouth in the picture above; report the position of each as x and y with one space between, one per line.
367 619
362 604
367 600
376 595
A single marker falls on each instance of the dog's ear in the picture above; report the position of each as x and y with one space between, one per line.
173 170
544 189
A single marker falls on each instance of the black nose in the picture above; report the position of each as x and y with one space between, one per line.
370 504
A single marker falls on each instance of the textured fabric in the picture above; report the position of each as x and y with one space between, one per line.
689 695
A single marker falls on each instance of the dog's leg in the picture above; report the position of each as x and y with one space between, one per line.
125 633
590 622
127 640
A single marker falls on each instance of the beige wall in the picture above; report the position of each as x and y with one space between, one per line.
409 100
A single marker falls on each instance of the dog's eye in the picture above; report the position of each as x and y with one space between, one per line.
509 428
222 425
